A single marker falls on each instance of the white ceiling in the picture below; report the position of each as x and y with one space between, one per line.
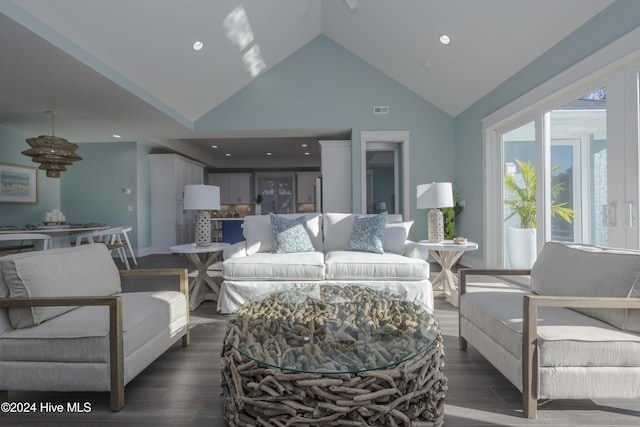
127 67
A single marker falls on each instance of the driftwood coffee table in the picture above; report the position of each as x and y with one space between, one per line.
333 355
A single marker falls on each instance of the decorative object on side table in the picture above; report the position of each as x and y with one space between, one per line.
202 198
450 215
434 196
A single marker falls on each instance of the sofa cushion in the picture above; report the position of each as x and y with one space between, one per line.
580 270
259 238
395 236
336 228
349 265
290 235
82 335
567 338
270 266
368 234
78 271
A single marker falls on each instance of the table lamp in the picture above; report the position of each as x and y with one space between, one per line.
202 198
434 196
380 207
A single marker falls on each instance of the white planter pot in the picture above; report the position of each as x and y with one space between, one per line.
258 210
521 247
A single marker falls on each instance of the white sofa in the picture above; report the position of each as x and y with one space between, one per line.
251 269
65 324
574 334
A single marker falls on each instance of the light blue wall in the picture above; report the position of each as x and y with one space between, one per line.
11 144
91 189
325 86
615 21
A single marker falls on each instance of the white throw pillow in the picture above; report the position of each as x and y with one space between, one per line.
395 236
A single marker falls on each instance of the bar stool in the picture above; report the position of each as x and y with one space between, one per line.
35 238
111 238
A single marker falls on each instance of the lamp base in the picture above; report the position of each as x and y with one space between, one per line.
435 226
203 229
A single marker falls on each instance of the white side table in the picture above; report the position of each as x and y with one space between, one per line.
447 254
202 258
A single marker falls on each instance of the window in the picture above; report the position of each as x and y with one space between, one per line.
566 165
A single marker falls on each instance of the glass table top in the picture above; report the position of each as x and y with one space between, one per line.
328 329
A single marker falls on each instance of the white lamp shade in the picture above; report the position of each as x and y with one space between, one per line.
435 195
201 197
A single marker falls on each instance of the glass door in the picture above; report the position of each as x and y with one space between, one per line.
519 194
277 193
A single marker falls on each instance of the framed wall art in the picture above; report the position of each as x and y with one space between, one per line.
18 184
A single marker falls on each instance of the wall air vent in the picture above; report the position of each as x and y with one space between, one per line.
381 109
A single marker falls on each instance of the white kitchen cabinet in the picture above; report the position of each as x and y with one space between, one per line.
336 176
306 187
235 188
170 224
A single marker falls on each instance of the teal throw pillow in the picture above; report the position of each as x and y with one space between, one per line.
368 234
290 235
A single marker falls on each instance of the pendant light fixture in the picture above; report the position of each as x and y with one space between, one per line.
52 152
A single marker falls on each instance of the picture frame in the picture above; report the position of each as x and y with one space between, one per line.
18 184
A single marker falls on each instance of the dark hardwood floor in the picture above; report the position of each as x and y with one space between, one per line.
182 387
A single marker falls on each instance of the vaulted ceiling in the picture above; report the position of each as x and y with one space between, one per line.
131 63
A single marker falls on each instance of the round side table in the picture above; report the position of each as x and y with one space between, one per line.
447 254
202 257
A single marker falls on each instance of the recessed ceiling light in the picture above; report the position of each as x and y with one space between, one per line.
304 145
306 154
115 135
198 45
228 154
444 39
214 146
268 154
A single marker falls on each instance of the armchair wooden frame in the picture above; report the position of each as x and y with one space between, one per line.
530 306
114 302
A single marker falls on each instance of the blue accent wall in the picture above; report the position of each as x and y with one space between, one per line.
11 146
324 86
91 189
612 23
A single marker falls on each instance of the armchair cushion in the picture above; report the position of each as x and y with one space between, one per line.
572 270
567 338
31 275
82 335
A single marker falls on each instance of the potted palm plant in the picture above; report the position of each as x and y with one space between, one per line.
258 208
521 200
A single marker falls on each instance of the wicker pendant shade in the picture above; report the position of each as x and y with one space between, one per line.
53 153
